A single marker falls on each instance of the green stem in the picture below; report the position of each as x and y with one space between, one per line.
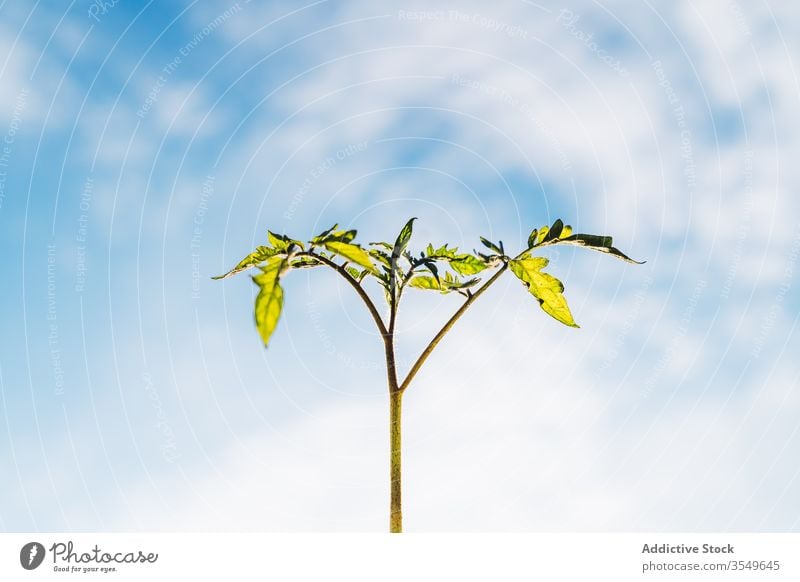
395 504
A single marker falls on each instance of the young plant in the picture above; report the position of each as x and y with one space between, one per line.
395 269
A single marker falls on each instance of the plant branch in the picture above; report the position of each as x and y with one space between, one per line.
386 335
447 326
357 286
388 345
391 365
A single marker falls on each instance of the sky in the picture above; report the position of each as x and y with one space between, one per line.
149 146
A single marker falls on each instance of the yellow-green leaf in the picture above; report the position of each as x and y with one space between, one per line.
546 288
334 235
282 242
425 282
402 239
269 301
259 255
279 241
397 251
354 273
352 253
467 264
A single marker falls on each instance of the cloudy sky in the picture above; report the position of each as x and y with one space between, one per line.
147 147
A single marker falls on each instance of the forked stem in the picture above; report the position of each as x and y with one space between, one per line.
396 390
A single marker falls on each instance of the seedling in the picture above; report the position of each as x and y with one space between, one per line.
395 269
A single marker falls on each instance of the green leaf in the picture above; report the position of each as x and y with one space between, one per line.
425 282
455 284
341 236
258 256
532 238
269 301
547 234
467 264
353 272
385 245
380 256
602 244
542 234
352 253
279 241
323 235
491 246
432 268
397 251
429 263
446 285
546 288
592 240
555 230
402 239
443 252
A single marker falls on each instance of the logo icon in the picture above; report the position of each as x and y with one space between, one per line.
31 555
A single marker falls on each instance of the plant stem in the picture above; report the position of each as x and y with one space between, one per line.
447 326
373 311
395 389
395 429
395 505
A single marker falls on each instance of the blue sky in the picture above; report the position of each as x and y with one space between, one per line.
148 147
